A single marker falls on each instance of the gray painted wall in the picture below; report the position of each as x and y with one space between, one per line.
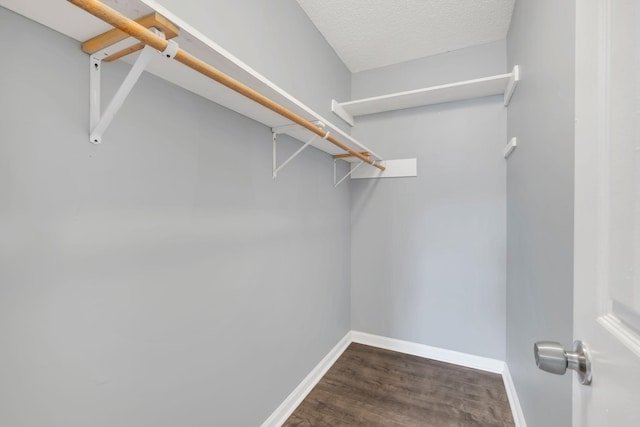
540 203
428 253
161 278
277 39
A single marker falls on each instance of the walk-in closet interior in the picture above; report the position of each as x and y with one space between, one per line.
245 213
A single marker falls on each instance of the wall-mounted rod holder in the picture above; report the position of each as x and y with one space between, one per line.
98 121
115 44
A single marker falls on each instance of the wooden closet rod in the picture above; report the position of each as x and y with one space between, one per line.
129 26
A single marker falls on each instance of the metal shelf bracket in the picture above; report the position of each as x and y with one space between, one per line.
283 129
335 184
100 121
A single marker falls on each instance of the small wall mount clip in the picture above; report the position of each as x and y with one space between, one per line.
171 50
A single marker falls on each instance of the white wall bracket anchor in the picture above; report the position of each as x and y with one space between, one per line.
511 145
100 121
514 78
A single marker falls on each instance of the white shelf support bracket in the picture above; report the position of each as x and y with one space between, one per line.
511 145
352 169
277 168
100 121
511 85
287 129
341 112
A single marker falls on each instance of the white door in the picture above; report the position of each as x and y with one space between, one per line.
607 211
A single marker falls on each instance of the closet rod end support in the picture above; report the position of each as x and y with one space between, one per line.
171 50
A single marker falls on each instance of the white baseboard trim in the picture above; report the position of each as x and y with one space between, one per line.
284 411
514 402
462 359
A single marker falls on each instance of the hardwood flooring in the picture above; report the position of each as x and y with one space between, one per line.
368 386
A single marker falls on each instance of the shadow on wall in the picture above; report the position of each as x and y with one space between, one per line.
362 198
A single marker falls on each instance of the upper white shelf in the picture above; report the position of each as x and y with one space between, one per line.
74 22
488 86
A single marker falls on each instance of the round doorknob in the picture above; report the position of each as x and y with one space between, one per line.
551 357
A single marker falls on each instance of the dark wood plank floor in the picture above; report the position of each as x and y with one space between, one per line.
369 386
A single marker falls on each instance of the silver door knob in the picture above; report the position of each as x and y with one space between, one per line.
551 357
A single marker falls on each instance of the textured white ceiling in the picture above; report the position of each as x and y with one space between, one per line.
373 33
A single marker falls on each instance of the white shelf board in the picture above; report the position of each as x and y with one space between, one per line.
398 168
487 86
74 22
